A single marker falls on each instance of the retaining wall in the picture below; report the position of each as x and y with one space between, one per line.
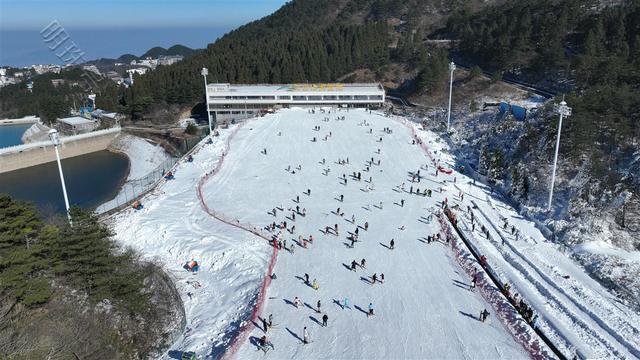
27 155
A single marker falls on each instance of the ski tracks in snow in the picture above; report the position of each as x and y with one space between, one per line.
594 330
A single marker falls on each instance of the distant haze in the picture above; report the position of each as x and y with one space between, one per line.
26 47
110 28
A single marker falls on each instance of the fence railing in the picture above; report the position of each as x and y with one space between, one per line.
133 189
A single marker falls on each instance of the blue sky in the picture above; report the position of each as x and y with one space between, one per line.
35 14
110 28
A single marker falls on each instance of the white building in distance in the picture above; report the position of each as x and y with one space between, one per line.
76 125
227 101
169 59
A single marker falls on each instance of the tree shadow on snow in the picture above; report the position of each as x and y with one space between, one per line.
175 354
294 335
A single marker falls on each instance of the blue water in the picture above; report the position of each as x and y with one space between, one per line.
26 47
11 135
91 179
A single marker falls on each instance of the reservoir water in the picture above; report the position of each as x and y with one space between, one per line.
11 135
91 180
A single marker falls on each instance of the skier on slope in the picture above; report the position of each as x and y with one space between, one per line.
366 225
374 278
345 303
270 320
370 313
382 278
306 278
325 318
264 325
305 336
315 284
483 315
392 244
297 302
265 343
353 265
362 263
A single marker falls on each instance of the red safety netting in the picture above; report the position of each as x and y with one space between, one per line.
518 327
247 326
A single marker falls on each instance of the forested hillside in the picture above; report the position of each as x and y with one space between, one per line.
69 292
597 52
259 54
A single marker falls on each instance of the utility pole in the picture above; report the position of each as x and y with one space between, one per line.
563 110
204 73
452 67
53 135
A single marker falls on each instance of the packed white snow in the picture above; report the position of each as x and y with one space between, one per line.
579 314
144 155
144 158
424 309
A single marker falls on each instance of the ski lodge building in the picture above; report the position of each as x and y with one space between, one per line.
227 101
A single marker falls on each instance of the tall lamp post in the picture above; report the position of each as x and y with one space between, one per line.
53 135
563 110
204 74
452 67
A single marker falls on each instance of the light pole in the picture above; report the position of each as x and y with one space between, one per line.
53 135
204 74
563 110
452 66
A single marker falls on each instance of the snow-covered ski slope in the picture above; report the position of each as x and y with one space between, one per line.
424 309
172 229
580 316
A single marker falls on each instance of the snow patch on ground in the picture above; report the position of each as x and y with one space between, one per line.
600 247
145 158
144 155
573 308
424 309
172 229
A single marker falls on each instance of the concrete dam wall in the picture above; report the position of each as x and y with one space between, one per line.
27 155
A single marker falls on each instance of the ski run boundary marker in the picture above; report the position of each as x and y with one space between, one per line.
523 334
538 346
247 325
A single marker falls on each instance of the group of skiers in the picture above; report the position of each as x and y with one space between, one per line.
281 243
